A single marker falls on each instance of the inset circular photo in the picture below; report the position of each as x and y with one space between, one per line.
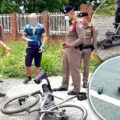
107 22
104 90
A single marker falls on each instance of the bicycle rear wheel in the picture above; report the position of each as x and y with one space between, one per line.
20 104
71 112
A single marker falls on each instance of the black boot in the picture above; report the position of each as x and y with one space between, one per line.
85 84
2 94
73 93
27 80
60 89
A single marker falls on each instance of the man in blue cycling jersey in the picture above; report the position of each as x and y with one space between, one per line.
34 34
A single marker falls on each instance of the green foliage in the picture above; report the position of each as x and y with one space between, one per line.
30 6
12 65
38 6
10 6
52 59
94 63
107 8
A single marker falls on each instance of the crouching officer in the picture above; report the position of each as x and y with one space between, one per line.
72 52
90 45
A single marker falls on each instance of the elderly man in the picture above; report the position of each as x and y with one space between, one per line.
34 34
72 52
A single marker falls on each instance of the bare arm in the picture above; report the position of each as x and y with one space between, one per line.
44 37
25 38
4 45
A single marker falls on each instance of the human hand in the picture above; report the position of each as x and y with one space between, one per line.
67 45
40 50
95 54
29 40
9 49
63 52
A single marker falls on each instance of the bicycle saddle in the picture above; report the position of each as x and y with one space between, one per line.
40 77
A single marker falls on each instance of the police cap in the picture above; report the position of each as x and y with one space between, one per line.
67 9
84 14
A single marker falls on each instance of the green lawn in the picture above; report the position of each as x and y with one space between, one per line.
12 65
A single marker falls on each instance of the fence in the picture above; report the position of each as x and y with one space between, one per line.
57 23
54 23
5 21
23 20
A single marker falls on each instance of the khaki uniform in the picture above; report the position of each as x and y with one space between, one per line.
2 36
91 39
72 56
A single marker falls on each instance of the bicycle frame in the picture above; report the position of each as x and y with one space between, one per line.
46 96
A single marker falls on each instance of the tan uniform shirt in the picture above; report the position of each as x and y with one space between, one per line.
2 36
75 38
91 37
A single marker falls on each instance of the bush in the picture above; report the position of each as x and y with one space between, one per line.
107 8
12 65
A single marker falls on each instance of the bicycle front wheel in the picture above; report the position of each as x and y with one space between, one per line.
71 112
20 104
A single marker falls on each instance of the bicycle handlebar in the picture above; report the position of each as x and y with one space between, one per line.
37 92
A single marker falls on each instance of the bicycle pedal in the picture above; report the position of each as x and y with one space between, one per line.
21 100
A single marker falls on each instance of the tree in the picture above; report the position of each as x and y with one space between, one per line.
10 6
76 3
0 5
29 6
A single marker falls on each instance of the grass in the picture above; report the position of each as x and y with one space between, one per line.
12 65
106 9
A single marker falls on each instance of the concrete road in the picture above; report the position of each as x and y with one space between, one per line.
15 87
102 25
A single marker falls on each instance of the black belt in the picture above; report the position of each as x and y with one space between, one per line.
89 47
80 47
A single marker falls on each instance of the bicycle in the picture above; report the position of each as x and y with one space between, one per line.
48 109
112 39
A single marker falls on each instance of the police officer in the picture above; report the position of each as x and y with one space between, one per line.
72 52
90 45
34 34
5 47
117 13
